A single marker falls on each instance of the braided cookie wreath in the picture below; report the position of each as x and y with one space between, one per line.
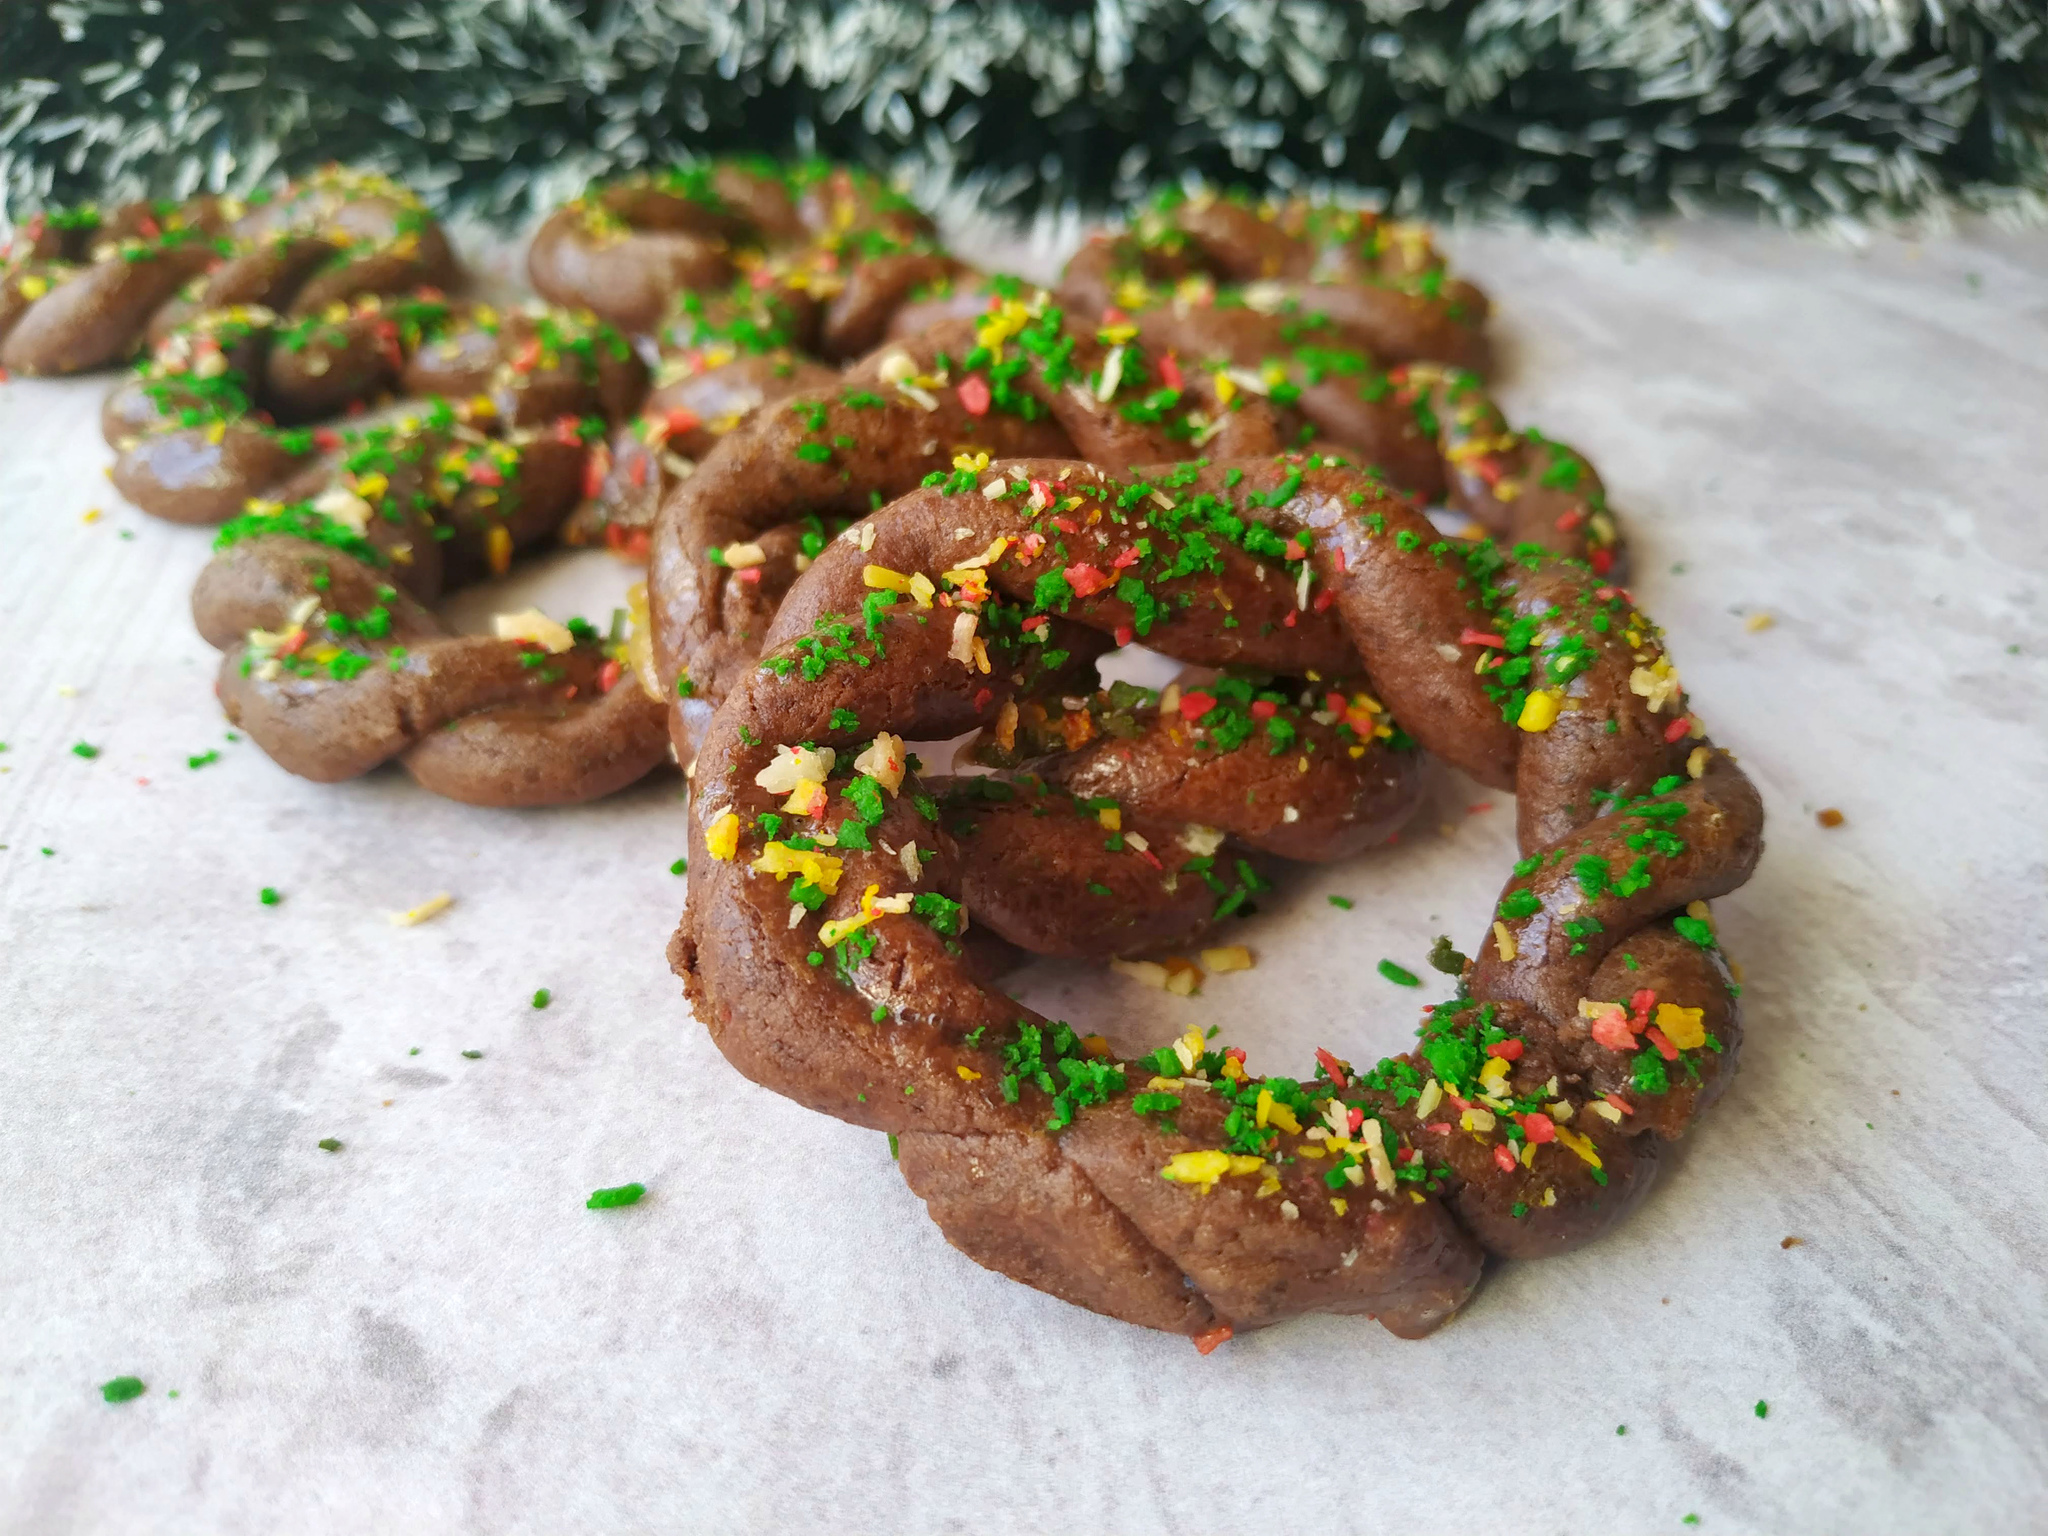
828 950
1023 379
752 281
1354 326
80 289
333 661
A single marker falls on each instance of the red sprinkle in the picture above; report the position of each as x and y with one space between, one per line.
1639 1007
1602 561
1676 730
1195 704
326 439
1264 709
752 575
1481 637
1323 599
607 675
1503 1159
1295 551
1085 579
1125 634
681 421
1506 1050
1169 372
1621 1104
1570 519
1288 622
1036 621
1662 1041
973 393
1334 1067
1207 1341
594 468
981 699
1611 1030
1538 1127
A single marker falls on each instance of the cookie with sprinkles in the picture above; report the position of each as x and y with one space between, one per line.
833 889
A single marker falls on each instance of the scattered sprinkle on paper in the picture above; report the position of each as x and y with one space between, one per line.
122 1389
426 911
610 1199
269 896
1829 817
542 998
1758 622
328 1144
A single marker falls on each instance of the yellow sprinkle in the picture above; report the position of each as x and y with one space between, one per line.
1503 941
882 579
92 515
432 907
1684 1027
1204 1168
1226 388
1696 762
498 545
780 860
1539 710
973 463
922 589
1341 1206
1110 819
32 287
1579 1144
1265 1109
722 837
968 1074
1229 957
1758 622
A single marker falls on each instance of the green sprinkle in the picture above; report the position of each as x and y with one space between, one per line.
1692 1520
892 1145
1399 977
201 759
542 998
1621 1429
87 750
1342 903
122 1389
328 1144
49 853
609 1199
881 1012
268 896
680 867
1763 1409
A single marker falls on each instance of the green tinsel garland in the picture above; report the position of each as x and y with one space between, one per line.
1554 110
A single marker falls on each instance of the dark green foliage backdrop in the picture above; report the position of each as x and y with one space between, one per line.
1572 110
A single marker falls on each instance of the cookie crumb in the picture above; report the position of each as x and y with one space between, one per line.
1829 817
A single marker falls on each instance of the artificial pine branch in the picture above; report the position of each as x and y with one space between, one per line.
1552 110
